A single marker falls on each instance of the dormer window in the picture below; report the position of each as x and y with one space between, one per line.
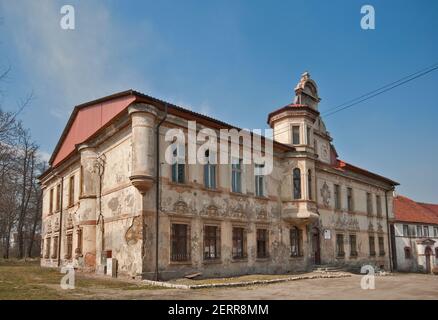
295 134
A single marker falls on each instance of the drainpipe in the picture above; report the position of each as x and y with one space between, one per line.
388 232
157 192
60 222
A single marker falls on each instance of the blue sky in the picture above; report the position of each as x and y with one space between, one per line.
238 61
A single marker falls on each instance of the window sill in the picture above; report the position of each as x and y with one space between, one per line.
212 261
180 263
382 254
263 198
215 190
237 260
296 257
238 194
264 259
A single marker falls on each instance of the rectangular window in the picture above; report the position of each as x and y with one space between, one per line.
58 197
296 240
51 201
405 230
180 243
372 246
350 204
259 180
435 232
210 176
48 244
379 205
71 191
337 197
412 232
69 241
295 134
419 231
353 248
55 248
178 168
239 243
212 242
425 231
308 135
381 247
340 245
262 243
369 204
236 176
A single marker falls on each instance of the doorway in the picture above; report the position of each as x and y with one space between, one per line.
316 246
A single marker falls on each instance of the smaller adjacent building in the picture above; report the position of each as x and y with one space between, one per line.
415 235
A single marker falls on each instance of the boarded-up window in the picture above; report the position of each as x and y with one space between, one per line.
212 242
239 243
180 242
262 243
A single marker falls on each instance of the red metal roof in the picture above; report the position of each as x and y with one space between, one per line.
408 210
89 118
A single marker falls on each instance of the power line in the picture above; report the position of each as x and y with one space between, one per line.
375 92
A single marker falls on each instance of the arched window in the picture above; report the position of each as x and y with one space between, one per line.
407 253
297 183
309 183
436 253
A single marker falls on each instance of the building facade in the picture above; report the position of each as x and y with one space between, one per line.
415 235
109 192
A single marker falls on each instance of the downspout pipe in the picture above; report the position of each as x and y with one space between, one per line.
157 191
60 221
388 232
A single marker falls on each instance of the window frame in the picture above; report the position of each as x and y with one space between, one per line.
180 242
71 190
372 245
337 196
262 243
340 248
178 175
296 184
369 200
236 175
296 134
238 250
259 181
381 242
212 240
350 199
353 245
296 241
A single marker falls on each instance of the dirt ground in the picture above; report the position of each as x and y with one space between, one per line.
20 280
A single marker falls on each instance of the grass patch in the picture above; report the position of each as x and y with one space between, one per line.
27 280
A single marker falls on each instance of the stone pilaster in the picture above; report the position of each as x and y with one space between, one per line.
88 204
